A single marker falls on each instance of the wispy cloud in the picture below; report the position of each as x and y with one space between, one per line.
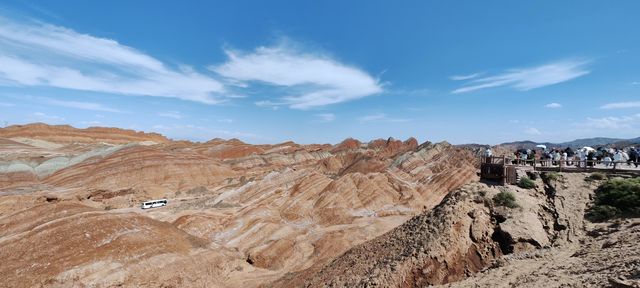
39 54
621 105
171 114
79 105
40 116
529 78
225 120
532 131
381 117
553 105
326 117
6 104
312 79
612 122
200 133
464 77
91 123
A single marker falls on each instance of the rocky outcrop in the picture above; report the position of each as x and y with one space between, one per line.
465 234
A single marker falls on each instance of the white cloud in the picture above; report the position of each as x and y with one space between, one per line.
38 54
529 78
621 105
553 105
80 105
40 116
91 123
464 77
200 133
532 131
326 117
612 122
312 80
171 114
381 117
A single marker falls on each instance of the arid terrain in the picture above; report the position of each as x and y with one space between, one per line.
238 215
387 213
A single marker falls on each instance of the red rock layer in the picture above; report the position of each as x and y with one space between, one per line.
68 134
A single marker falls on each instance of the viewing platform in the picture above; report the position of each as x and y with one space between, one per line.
509 171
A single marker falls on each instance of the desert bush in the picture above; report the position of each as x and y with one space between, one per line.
526 183
602 212
553 176
596 176
505 198
616 197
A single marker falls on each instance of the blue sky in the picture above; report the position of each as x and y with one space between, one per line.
322 71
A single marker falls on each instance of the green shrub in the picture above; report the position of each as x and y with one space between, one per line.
596 176
526 183
602 212
616 197
506 199
552 176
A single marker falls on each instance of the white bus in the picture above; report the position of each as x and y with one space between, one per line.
153 203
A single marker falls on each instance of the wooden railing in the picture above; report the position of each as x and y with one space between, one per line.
561 165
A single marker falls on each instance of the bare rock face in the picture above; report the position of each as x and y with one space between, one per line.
467 241
442 245
239 215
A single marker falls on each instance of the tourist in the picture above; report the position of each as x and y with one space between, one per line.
617 158
633 156
556 157
607 160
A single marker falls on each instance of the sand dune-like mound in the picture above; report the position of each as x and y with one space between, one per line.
68 134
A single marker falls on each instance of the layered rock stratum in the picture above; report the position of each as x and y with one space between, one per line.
239 215
386 213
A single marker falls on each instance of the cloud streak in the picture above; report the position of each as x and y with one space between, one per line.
81 105
553 105
612 122
524 79
171 114
621 105
312 80
532 131
326 117
464 77
38 54
381 117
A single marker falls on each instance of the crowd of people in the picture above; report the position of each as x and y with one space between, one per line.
583 157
